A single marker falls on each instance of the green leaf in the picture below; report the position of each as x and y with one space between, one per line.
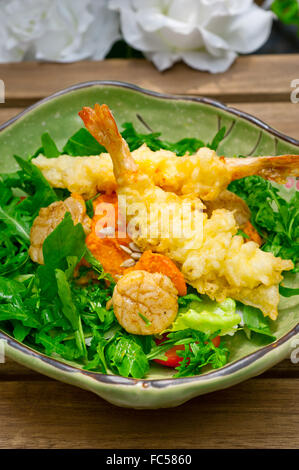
275 219
208 317
217 139
243 234
14 312
20 331
127 358
9 289
255 321
66 240
199 351
82 143
20 226
50 149
145 319
69 309
52 344
43 194
153 141
288 291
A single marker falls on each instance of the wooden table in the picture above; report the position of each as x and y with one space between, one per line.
36 411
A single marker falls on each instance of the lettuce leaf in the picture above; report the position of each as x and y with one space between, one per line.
208 316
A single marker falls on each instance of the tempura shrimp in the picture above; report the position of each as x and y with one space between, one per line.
203 174
211 256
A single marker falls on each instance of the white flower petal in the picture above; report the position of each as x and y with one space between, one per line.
162 60
206 34
235 32
206 62
59 30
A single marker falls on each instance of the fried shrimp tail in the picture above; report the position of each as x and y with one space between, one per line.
270 168
102 126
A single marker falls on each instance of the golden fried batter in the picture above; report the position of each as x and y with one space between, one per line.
204 174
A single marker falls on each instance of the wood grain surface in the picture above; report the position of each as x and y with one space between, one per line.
259 413
254 78
38 412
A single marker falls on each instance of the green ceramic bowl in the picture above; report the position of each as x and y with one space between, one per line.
176 117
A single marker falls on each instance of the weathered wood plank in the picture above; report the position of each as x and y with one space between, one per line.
255 414
8 113
253 78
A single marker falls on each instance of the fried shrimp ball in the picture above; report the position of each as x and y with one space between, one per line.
51 216
145 303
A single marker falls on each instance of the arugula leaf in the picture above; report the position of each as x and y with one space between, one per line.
82 143
126 357
66 240
12 305
275 219
69 309
199 351
153 141
99 361
43 194
9 289
255 321
52 344
20 331
288 291
49 148
16 223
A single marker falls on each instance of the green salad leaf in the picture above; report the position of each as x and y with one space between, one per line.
49 148
288 291
82 143
126 357
199 351
208 317
66 240
43 194
254 321
276 219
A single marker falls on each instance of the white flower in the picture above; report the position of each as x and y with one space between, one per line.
58 30
206 34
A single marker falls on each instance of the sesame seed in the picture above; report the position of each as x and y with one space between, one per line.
134 247
128 263
136 255
126 249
